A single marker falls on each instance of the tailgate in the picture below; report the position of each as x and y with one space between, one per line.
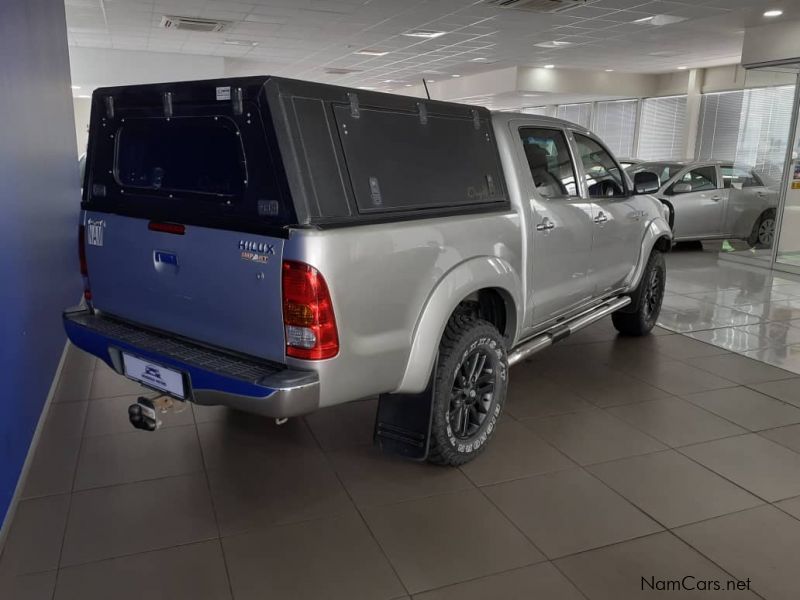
215 286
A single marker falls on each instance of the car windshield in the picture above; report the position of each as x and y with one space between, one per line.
665 171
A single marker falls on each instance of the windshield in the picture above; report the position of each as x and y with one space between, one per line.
664 171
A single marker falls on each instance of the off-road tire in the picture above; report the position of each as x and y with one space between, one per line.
464 338
755 240
640 316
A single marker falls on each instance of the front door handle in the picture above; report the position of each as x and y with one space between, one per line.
545 225
601 217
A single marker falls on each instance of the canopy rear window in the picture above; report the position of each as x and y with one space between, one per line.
200 155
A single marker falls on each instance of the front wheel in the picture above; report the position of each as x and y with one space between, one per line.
469 390
640 316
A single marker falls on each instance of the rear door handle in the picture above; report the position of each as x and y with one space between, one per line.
601 217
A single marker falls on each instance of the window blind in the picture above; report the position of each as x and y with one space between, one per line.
718 130
537 110
577 113
615 123
662 131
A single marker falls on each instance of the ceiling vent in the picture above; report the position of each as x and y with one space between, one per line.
539 6
340 71
193 24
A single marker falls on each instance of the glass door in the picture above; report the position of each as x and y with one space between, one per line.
787 223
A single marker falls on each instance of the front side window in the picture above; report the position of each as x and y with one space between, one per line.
549 161
603 175
702 179
187 154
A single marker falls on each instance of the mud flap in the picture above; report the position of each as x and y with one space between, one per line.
403 422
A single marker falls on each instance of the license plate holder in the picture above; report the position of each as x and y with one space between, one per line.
154 375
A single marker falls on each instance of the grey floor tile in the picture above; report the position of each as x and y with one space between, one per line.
138 517
327 558
787 390
761 466
733 339
538 581
673 489
193 571
73 386
533 395
619 572
791 506
680 347
514 452
53 466
128 457
35 536
108 383
747 408
676 422
740 369
615 388
784 358
37 586
251 496
678 378
64 421
759 544
344 425
206 414
110 415
593 436
788 436
569 511
78 360
372 477
447 539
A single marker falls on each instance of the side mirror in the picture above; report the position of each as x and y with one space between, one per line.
646 182
682 188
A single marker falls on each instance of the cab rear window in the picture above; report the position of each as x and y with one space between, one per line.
199 155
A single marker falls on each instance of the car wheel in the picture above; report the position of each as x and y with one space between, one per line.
763 234
469 390
640 316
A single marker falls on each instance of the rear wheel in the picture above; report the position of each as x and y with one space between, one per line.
469 390
763 234
641 314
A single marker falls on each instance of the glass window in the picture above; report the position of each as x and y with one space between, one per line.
614 122
738 177
186 154
577 113
665 171
603 175
701 179
662 131
549 160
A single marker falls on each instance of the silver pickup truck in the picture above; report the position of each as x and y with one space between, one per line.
277 246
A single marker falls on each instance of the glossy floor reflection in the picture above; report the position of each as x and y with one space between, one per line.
615 459
736 307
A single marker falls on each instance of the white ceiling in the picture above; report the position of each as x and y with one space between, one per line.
301 38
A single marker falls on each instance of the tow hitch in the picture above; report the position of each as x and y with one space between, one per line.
143 414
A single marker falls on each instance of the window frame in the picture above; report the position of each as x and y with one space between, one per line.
627 190
567 136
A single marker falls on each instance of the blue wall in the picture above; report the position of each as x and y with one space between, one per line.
39 199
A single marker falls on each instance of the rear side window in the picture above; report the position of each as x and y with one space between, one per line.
549 161
201 155
702 179
738 178
603 175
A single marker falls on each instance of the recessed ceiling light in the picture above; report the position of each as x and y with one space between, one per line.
424 33
553 44
531 95
366 87
609 70
240 43
549 66
659 20
76 87
773 13
431 80
682 68
83 96
478 59
455 75
645 19
409 85
372 52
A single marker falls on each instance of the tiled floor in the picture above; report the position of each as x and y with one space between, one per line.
616 460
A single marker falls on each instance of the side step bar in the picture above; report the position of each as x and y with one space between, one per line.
564 329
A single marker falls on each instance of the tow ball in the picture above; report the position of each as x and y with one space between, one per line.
143 414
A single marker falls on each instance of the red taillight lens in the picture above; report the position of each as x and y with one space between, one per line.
173 228
87 291
308 318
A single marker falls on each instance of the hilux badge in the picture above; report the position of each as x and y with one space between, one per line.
258 252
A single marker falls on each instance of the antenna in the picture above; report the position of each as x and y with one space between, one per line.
427 92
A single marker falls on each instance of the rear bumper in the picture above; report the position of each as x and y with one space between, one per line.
214 377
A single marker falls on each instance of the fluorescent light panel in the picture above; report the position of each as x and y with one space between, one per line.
428 34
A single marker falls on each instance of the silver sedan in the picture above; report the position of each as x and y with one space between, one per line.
715 200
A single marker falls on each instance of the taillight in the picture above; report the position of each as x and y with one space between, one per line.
173 228
87 290
308 313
